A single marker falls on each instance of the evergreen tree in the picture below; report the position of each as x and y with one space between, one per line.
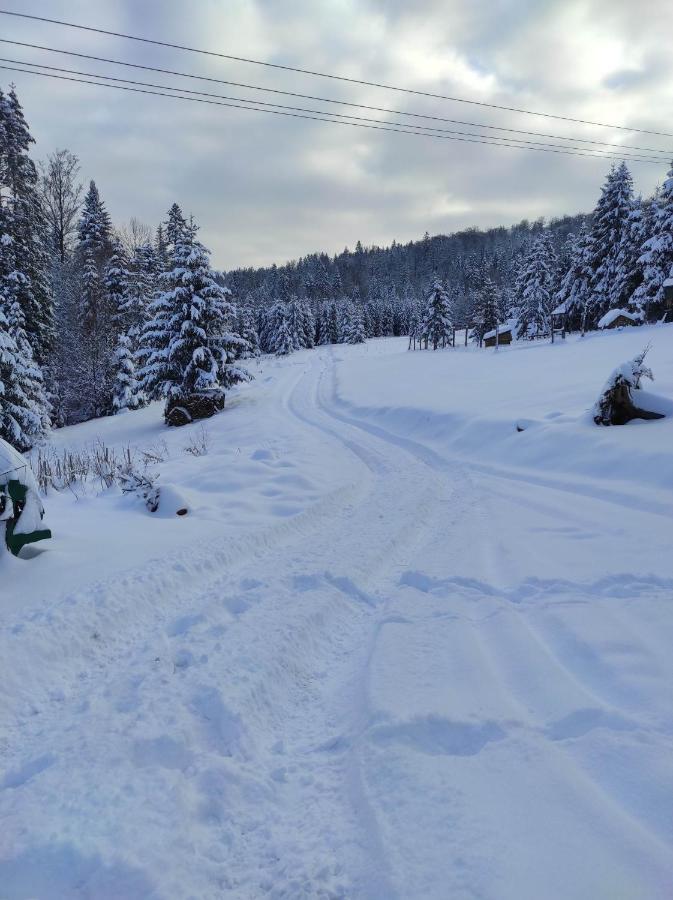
188 345
116 284
609 226
23 220
96 340
486 314
437 325
175 230
160 249
352 325
142 279
284 342
23 405
656 256
536 288
247 329
575 287
305 325
94 229
126 392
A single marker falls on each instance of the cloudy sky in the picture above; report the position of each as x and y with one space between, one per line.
267 188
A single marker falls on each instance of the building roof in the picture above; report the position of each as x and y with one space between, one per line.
613 314
502 329
560 310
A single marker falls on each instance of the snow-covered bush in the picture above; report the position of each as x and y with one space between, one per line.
615 405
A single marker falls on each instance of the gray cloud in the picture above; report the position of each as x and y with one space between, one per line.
267 188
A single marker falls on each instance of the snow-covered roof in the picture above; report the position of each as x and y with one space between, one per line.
501 330
560 310
613 314
14 466
669 282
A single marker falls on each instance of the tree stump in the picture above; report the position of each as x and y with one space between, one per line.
617 407
183 410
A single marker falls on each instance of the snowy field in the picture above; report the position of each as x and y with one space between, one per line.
396 649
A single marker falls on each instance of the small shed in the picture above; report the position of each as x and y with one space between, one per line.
558 315
503 334
617 318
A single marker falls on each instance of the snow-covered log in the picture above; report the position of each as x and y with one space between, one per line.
616 406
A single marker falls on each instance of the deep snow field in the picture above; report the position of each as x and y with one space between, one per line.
396 649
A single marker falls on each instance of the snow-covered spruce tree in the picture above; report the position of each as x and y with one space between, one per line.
305 324
535 289
175 230
23 405
609 226
633 237
94 229
160 249
486 311
90 381
352 325
126 392
319 326
437 325
283 339
189 347
656 257
142 284
23 220
247 328
328 329
574 290
96 341
116 284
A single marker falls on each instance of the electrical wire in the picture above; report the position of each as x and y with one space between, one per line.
344 78
382 109
316 112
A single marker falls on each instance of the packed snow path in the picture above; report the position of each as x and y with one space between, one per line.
389 695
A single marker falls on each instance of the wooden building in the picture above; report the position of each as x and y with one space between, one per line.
617 318
503 334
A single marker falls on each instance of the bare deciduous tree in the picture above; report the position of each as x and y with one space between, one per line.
134 234
61 197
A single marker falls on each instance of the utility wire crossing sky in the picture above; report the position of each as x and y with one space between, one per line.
265 192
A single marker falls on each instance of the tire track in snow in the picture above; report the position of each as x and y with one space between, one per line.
632 834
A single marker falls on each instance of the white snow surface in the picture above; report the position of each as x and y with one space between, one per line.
395 649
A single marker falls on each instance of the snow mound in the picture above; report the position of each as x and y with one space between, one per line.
173 501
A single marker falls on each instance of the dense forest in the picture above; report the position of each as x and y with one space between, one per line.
97 319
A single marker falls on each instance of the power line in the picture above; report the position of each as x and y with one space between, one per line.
375 84
400 128
383 109
318 112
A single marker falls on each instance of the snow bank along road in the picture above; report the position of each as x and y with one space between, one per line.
407 677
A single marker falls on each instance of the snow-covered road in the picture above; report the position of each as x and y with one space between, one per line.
404 690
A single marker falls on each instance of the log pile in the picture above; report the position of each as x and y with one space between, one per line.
183 410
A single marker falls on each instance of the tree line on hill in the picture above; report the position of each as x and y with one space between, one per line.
96 320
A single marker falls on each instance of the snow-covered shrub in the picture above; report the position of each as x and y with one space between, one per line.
198 444
615 405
